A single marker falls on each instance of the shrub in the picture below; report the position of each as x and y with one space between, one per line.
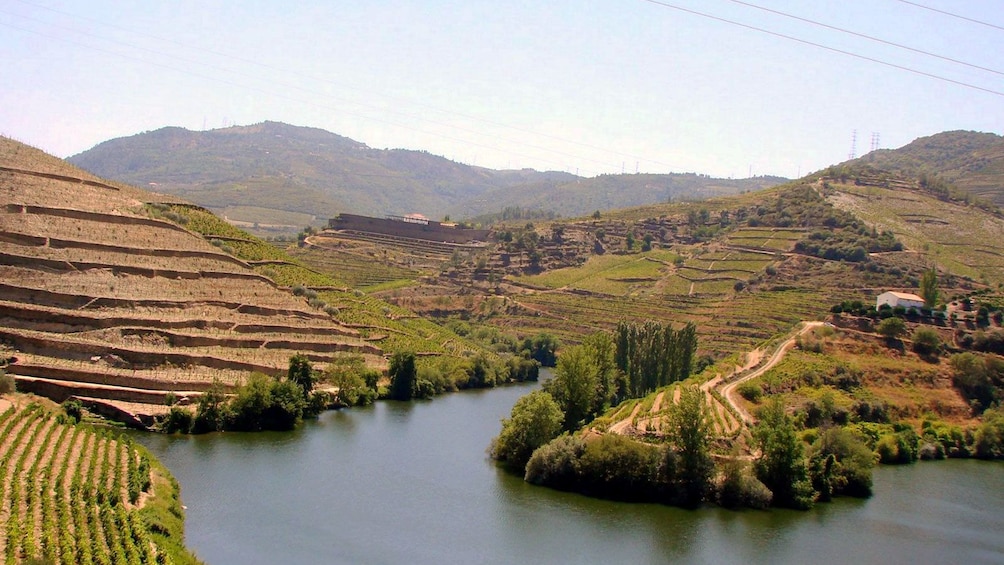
534 421
898 448
841 463
74 409
178 419
213 412
891 328
988 441
750 391
926 341
7 383
616 467
739 488
556 464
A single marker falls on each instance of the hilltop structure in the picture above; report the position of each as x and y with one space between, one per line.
413 226
899 299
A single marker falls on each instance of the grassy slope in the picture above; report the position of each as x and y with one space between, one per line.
400 328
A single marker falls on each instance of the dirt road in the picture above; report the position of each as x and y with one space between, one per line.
728 391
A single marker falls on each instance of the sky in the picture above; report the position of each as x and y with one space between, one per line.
718 87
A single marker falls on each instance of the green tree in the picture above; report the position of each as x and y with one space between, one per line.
301 373
690 432
929 287
251 403
574 386
781 465
348 377
989 437
212 412
840 463
402 375
602 349
535 419
286 408
653 354
542 347
891 328
926 341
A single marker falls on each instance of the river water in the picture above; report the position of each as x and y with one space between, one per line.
409 483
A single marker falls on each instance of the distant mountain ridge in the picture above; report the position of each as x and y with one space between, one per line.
276 170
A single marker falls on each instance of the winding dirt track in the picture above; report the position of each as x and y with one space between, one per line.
729 389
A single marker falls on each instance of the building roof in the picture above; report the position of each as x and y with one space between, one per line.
904 295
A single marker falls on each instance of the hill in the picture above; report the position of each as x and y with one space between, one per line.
277 174
972 162
123 300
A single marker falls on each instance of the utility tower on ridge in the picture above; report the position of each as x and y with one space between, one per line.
854 146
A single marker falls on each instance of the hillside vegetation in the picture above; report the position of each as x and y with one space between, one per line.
271 174
128 303
971 162
810 410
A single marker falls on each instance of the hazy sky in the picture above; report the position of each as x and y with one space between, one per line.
587 86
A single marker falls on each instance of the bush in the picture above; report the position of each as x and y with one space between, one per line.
619 468
926 342
74 409
7 383
178 419
898 448
556 464
988 441
740 489
891 328
750 391
841 463
349 378
534 421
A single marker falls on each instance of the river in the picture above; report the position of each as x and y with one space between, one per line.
410 483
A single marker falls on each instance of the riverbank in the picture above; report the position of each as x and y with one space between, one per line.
410 482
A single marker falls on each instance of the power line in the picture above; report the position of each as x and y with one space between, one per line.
315 79
270 93
864 36
953 15
314 93
827 47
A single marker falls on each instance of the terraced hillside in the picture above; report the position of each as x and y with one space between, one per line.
72 494
960 238
104 302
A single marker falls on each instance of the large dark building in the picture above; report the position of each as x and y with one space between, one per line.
415 227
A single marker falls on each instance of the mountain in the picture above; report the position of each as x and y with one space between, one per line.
970 161
125 299
276 173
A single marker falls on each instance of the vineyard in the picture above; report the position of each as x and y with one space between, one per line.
72 494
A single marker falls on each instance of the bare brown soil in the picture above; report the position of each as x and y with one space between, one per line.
102 302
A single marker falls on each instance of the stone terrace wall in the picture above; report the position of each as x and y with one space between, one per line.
432 231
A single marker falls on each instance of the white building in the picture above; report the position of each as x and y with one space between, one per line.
904 299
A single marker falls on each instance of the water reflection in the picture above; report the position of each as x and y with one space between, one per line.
410 483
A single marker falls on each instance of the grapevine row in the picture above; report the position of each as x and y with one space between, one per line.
69 493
